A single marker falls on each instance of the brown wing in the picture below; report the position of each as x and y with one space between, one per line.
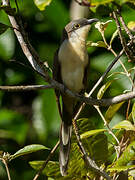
86 72
57 77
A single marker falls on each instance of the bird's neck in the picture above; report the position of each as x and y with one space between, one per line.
77 40
77 43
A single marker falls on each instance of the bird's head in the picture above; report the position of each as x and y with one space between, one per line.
79 28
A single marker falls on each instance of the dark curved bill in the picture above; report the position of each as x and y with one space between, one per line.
90 21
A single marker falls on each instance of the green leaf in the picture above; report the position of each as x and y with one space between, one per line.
111 111
96 3
133 113
96 44
103 89
91 133
127 125
131 25
52 168
7 45
99 148
41 4
120 168
27 150
113 37
99 2
3 28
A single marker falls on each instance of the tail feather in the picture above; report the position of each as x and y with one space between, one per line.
65 143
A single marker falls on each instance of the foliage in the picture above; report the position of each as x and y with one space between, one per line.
30 119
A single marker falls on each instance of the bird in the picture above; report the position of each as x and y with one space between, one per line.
70 67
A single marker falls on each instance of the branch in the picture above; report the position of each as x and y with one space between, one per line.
123 42
25 88
108 101
131 37
88 100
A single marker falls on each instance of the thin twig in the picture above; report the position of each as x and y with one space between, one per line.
47 160
25 88
122 39
127 111
6 166
109 130
131 37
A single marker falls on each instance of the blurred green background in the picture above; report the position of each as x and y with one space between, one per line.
32 117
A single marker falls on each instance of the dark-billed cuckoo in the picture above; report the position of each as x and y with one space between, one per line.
70 68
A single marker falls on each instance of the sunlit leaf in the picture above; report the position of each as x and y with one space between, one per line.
120 168
103 89
131 25
99 2
90 133
28 149
127 125
133 113
111 111
96 44
113 36
41 4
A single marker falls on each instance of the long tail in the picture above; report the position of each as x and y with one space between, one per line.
65 143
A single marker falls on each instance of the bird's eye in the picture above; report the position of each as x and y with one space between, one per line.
76 26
